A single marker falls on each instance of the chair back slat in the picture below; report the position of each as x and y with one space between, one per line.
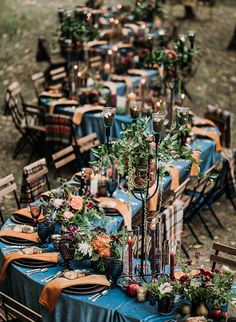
39 81
7 180
180 190
65 161
223 260
8 190
18 310
226 250
37 175
64 157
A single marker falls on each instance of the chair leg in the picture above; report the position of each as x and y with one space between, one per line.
205 225
185 251
233 203
1 217
215 216
193 233
19 146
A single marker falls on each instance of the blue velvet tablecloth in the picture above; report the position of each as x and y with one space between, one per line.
114 307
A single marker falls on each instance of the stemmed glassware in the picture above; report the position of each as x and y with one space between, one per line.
35 210
135 109
108 117
67 250
44 230
182 115
111 186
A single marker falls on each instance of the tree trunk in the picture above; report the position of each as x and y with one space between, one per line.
189 13
232 44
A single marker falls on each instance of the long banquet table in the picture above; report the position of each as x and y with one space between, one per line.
114 307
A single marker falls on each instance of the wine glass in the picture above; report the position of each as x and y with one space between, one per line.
158 120
182 114
135 109
111 186
35 210
44 230
67 250
109 114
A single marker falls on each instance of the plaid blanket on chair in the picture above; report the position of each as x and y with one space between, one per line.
224 121
173 220
58 130
229 157
31 192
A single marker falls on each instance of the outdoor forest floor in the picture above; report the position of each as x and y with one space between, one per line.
23 21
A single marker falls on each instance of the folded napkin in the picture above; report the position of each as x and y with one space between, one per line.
79 113
203 121
52 290
126 79
46 257
121 207
110 85
194 172
133 27
55 87
25 213
51 94
209 134
174 173
62 101
10 233
138 72
153 202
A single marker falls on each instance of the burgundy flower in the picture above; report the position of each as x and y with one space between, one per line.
184 279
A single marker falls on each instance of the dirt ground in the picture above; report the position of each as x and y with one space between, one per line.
23 21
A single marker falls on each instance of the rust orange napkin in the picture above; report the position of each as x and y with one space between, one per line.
47 257
10 233
153 202
138 72
121 207
126 79
25 213
210 134
203 121
63 101
52 94
52 290
79 113
174 173
194 172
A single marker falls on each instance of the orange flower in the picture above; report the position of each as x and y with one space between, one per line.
102 245
76 203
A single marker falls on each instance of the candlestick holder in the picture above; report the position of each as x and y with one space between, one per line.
108 117
135 108
182 119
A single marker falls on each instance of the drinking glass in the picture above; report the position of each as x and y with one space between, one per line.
182 115
109 114
44 230
152 245
130 250
135 109
67 250
111 186
35 210
158 120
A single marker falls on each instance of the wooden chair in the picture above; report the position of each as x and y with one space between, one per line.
44 51
7 185
223 120
63 158
15 311
27 119
227 250
34 180
39 83
57 75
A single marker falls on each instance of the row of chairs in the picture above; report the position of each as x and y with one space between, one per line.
198 194
35 178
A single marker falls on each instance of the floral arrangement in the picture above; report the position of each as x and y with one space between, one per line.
162 287
65 206
96 244
146 10
212 288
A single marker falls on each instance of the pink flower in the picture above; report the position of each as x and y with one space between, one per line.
68 215
76 203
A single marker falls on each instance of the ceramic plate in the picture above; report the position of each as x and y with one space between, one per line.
33 263
16 241
21 219
78 291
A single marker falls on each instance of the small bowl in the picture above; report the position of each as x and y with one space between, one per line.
56 240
